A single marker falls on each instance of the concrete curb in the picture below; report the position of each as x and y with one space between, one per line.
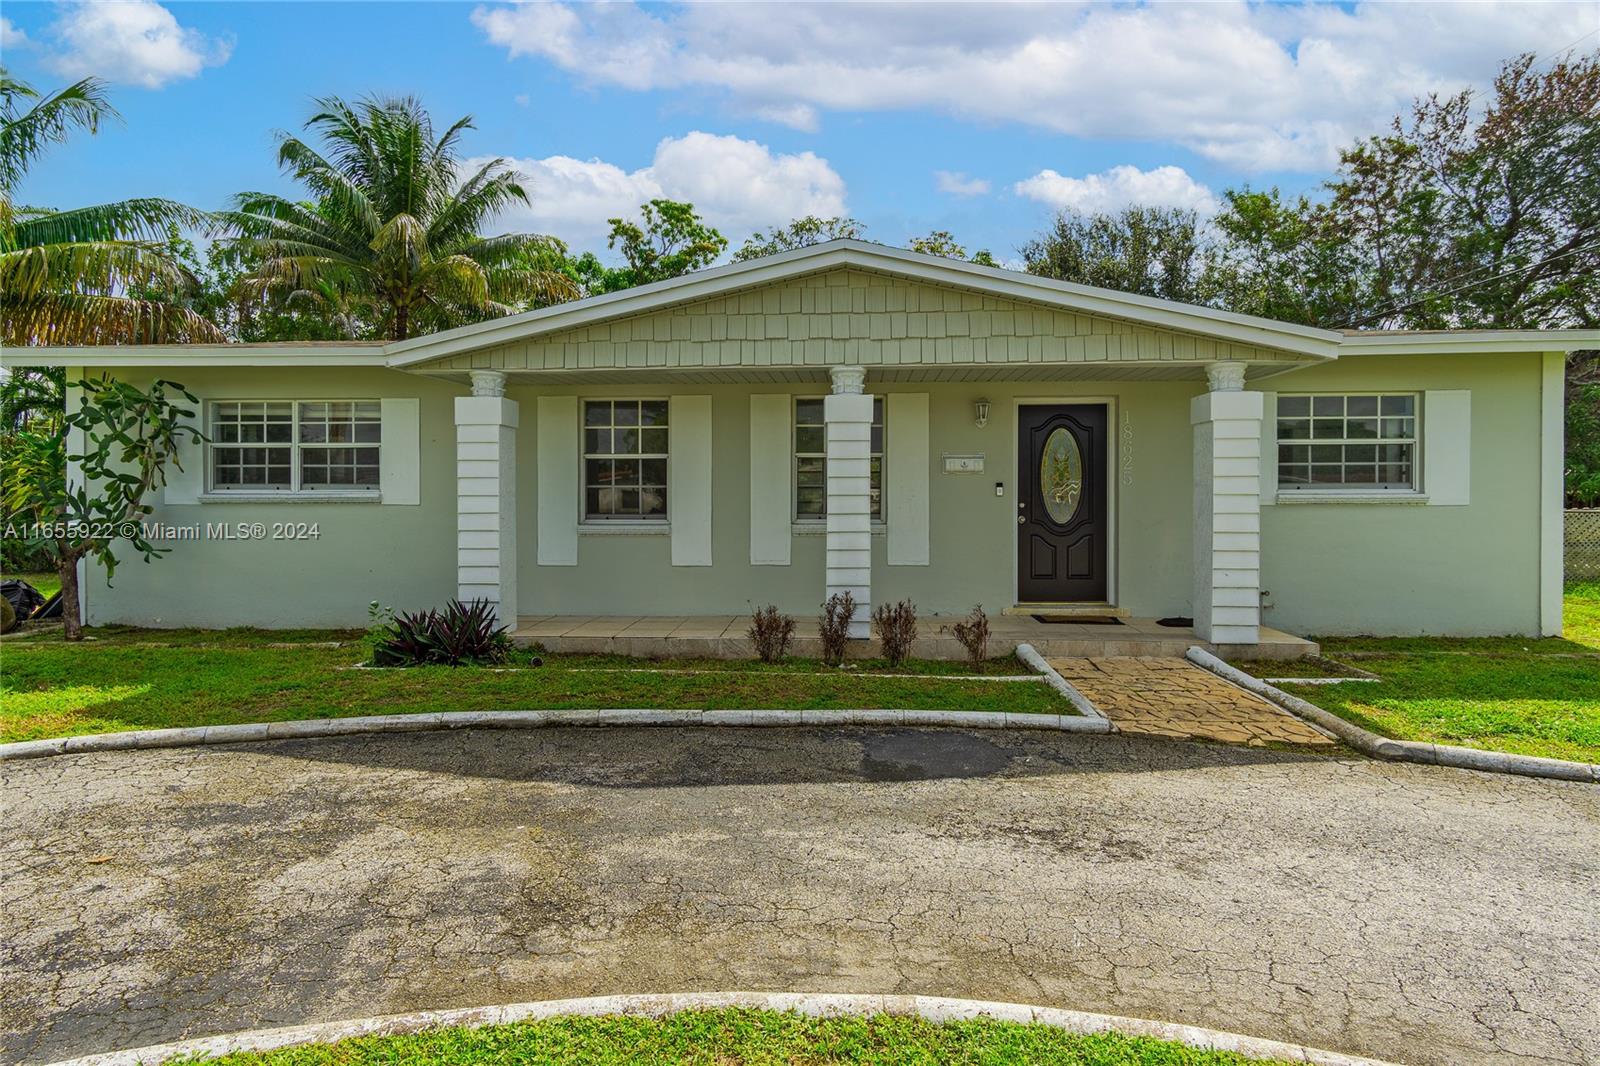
1400 750
1030 655
194 736
935 1009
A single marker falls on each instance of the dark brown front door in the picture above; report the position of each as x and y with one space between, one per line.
1061 503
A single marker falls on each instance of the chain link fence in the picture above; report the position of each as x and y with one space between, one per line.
1583 545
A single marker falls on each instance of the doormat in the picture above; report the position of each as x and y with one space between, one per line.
1077 620
1175 623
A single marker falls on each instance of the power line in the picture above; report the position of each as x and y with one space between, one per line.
1426 293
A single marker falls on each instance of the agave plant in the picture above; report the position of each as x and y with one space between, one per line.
90 275
393 224
461 633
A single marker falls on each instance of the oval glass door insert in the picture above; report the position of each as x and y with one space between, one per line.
1061 476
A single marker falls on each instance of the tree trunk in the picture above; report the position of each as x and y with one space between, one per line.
71 614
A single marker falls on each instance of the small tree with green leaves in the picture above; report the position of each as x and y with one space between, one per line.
799 233
129 435
943 243
671 240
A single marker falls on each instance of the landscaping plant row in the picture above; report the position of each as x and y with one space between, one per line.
462 634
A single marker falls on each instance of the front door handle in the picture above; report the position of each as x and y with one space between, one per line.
1022 519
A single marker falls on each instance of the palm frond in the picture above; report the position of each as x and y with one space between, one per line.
24 136
105 267
146 219
85 318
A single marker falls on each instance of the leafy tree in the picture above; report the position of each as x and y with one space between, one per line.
1278 259
130 435
941 242
1152 251
67 277
31 396
799 233
1482 222
670 240
327 314
391 236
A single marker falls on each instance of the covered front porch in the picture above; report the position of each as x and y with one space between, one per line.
726 637
1177 474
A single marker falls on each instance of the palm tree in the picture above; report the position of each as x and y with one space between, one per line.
392 226
91 275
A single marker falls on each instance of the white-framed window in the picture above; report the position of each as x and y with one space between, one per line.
294 446
625 444
1362 441
811 459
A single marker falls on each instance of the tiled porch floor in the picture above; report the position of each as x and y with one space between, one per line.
1175 698
724 637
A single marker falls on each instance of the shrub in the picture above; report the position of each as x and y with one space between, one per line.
973 633
770 632
897 628
834 626
461 633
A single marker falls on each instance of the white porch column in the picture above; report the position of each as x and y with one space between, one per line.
486 495
848 413
1227 508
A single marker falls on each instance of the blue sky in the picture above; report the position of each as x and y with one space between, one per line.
981 120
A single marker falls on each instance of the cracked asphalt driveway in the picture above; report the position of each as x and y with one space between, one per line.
1405 912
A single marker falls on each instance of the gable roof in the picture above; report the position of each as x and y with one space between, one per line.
831 255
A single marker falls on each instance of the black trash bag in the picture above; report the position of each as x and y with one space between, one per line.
23 597
51 609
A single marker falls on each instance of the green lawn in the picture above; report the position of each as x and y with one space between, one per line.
747 1038
149 679
1511 694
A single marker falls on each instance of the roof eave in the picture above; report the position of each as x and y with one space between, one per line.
1471 342
161 355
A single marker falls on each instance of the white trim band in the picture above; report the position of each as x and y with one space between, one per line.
194 736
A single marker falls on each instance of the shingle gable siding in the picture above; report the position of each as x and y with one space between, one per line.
850 316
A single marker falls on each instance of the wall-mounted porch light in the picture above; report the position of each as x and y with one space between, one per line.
980 413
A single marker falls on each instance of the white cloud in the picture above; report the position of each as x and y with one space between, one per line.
737 185
1254 85
1117 188
956 183
136 42
11 37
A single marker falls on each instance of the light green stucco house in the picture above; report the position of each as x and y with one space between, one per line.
852 416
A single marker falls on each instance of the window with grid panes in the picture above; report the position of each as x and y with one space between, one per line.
1357 441
625 460
295 445
811 459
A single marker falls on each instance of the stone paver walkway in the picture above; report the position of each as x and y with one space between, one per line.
1175 698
